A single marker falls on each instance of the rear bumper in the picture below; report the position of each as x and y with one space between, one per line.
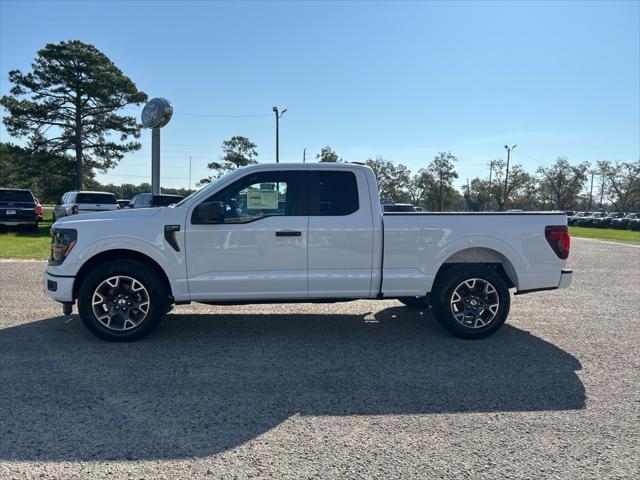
20 221
566 277
58 288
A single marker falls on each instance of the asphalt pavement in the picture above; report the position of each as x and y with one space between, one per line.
352 390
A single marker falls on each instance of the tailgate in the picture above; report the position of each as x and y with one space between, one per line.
17 211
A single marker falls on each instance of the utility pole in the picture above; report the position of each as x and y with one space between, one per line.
593 172
490 172
189 172
304 156
602 190
440 197
506 175
278 117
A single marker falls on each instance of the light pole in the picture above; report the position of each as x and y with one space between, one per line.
155 115
506 175
278 117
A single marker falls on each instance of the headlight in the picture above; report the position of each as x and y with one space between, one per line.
62 242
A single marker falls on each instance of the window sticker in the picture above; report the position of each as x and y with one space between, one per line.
262 199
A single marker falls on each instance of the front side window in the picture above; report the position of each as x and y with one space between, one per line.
257 196
332 193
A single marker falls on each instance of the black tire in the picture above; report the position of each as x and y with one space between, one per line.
154 291
452 280
415 302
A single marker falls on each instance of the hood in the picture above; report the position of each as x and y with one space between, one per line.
88 219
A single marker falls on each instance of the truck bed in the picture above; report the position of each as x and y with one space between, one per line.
416 245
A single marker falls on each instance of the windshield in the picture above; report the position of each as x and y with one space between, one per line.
631 215
217 181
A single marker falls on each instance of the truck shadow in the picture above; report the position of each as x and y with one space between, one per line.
203 384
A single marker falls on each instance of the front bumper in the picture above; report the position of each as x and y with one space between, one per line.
566 277
58 287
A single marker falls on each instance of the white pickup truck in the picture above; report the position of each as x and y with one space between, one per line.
278 233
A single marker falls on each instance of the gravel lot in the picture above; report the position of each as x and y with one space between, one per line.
354 390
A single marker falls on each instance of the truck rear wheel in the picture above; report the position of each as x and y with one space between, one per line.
122 301
471 301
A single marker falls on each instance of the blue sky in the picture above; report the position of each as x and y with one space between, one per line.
401 80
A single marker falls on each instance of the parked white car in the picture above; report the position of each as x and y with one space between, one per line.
73 203
299 233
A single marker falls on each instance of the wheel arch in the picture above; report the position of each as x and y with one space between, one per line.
481 256
119 254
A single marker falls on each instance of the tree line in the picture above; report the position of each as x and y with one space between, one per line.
561 186
67 108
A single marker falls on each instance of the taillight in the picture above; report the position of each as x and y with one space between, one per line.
558 238
74 209
38 210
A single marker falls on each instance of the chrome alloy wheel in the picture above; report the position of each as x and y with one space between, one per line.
475 303
120 303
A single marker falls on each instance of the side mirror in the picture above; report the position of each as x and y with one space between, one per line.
209 213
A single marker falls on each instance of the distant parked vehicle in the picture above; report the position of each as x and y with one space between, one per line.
605 222
18 208
38 209
588 221
147 200
123 203
570 213
573 220
398 208
624 221
73 203
634 224
420 209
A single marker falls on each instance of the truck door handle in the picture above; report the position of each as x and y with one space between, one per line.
288 233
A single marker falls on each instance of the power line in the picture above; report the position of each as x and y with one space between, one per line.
255 115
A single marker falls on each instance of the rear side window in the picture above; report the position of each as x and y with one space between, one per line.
16 196
162 201
332 193
101 198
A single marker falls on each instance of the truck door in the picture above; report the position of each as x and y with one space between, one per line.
340 234
258 250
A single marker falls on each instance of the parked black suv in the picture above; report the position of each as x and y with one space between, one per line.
18 208
398 208
146 200
624 221
605 222
588 221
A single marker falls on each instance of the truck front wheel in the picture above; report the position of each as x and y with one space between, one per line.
471 301
122 301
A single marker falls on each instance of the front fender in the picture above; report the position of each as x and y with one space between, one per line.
172 263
